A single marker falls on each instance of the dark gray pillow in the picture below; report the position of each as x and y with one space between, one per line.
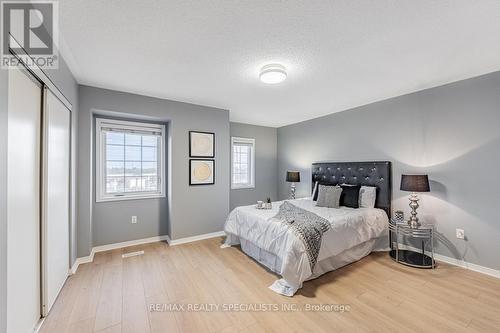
350 196
329 196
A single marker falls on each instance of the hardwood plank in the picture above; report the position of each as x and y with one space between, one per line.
83 326
161 321
478 325
88 296
109 309
205 294
112 329
254 328
134 314
176 286
152 273
191 322
57 321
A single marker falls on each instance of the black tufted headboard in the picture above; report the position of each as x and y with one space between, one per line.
376 174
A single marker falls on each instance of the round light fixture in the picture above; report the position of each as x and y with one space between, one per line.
273 73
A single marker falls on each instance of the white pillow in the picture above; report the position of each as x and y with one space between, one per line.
314 190
367 196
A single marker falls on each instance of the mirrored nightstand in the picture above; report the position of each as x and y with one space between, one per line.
401 231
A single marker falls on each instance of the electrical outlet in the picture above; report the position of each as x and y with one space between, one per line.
460 234
134 220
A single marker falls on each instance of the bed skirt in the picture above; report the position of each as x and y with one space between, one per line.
274 263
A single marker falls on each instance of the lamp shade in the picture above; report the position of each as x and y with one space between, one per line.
415 183
293 176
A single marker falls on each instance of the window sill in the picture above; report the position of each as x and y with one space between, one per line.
132 197
241 187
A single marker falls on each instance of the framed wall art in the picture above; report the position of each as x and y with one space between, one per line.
201 172
201 144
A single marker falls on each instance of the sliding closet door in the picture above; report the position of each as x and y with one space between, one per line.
23 202
56 198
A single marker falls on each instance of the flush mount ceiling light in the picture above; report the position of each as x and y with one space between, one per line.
273 73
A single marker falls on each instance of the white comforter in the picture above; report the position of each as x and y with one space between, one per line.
349 228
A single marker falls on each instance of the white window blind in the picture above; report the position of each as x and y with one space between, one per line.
130 160
242 163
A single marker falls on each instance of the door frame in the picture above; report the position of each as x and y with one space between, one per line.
44 297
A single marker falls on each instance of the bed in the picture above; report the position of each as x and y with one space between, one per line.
353 233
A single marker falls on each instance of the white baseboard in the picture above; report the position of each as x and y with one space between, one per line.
107 247
178 241
460 263
171 242
468 265
38 325
79 261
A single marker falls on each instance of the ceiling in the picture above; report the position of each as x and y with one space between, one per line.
338 54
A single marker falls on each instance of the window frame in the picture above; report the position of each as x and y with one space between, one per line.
251 141
100 181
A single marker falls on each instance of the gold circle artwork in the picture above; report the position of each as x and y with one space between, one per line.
202 171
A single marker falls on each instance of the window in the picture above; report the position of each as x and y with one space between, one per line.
130 161
242 163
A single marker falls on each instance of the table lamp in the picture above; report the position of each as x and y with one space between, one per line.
414 184
292 177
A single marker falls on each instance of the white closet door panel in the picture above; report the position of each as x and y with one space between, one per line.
23 202
56 199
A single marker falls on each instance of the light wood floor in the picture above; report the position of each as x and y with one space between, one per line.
114 295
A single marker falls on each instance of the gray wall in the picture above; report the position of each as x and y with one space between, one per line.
266 165
188 210
450 132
